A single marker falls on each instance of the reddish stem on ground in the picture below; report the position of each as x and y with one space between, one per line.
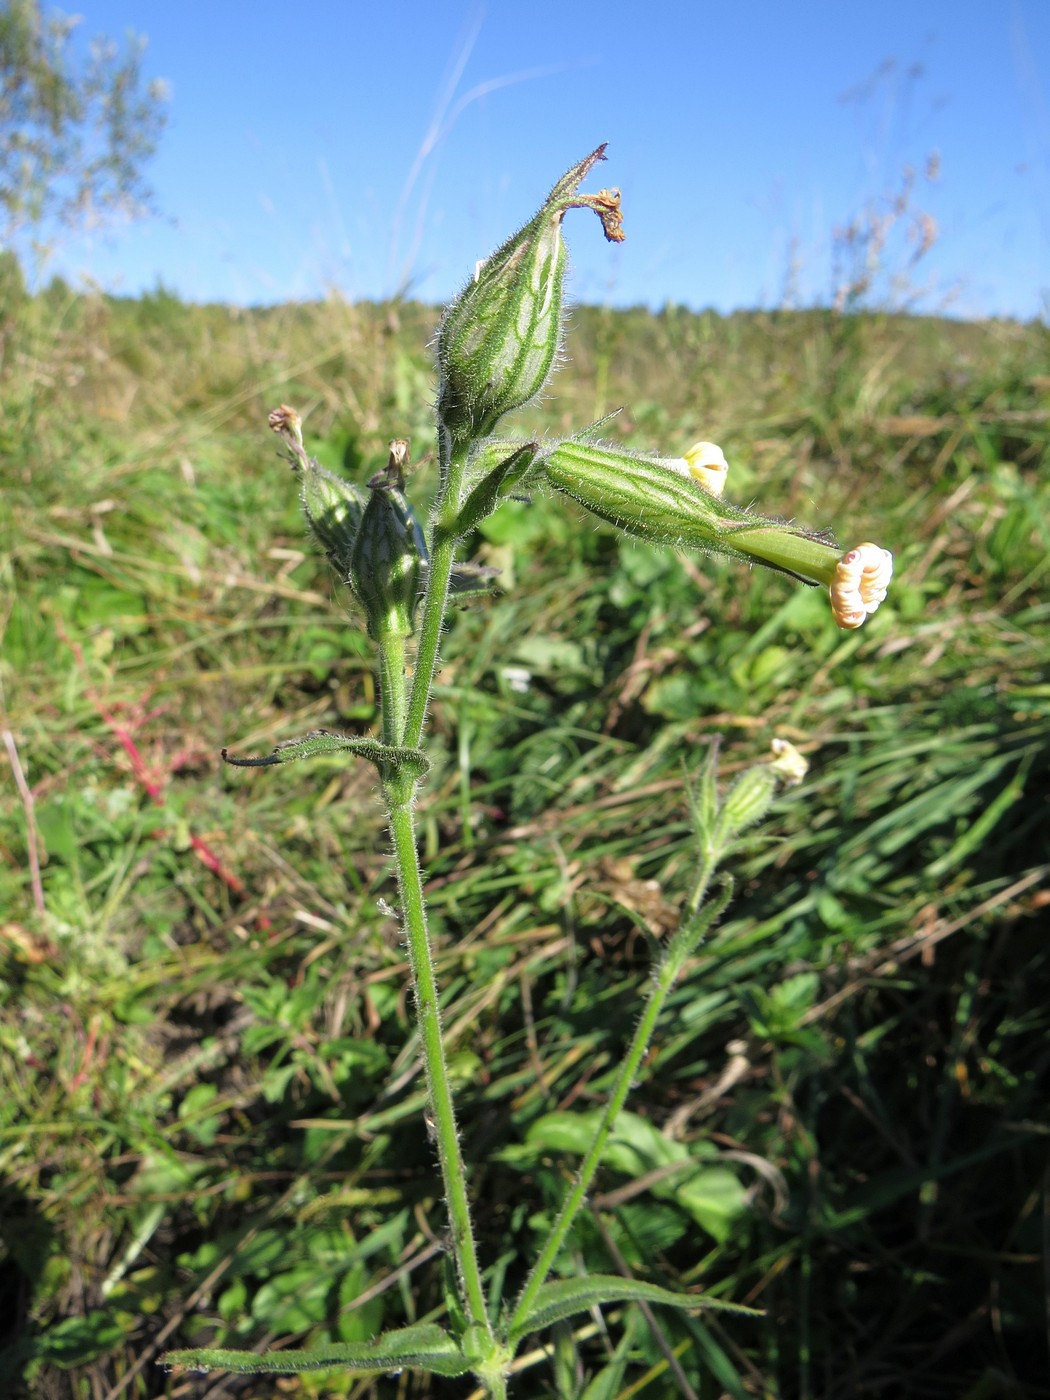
155 788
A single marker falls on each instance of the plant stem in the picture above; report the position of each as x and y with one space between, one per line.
403 718
708 865
392 689
663 980
442 557
453 1172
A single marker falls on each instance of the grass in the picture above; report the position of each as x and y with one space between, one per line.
210 1128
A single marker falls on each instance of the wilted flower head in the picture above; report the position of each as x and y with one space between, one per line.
389 553
286 422
787 763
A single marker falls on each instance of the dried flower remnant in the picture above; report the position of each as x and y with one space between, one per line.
287 424
333 506
389 555
398 466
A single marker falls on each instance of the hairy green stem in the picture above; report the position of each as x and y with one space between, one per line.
663 980
392 689
708 865
403 718
435 596
442 557
453 1171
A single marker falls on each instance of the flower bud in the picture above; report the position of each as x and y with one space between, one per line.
746 802
333 506
387 563
654 498
334 509
498 340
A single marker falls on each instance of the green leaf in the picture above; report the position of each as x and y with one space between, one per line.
57 826
75 1341
702 793
569 1296
547 656
716 1360
495 482
233 1301
712 1195
424 1348
194 1115
295 1300
357 1322
323 741
608 1383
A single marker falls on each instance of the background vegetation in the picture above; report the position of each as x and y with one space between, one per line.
210 1118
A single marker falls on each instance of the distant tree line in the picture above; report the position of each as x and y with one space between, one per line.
78 125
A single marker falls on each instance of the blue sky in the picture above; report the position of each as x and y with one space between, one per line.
337 144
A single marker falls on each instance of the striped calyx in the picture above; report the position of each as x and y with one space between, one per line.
333 506
389 553
658 501
498 339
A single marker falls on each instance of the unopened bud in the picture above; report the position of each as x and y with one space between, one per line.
334 508
498 340
387 564
747 801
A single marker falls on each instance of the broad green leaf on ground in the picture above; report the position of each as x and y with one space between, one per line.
712 1194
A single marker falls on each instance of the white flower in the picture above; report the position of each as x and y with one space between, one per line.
706 464
789 765
861 579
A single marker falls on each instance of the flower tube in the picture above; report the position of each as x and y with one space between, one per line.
660 500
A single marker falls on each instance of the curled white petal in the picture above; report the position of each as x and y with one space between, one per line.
707 464
789 765
860 583
518 678
704 463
